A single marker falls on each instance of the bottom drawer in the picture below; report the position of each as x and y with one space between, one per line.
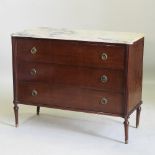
69 97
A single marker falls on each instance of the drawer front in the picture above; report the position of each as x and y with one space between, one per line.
84 77
69 97
71 53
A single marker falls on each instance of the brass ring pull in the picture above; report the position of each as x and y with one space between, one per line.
33 50
34 93
104 56
104 78
33 72
104 101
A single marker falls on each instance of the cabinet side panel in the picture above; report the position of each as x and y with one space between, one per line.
135 73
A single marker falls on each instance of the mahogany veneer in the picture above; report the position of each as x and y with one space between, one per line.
104 78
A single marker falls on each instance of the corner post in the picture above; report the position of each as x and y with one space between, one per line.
38 110
138 111
126 128
16 113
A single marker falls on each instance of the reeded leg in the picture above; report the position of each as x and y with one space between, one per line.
126 128
16 114
38 110
138 116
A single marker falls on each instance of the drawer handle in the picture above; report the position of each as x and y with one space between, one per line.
33 50
33 72
104 56
104 78
104 101
34 93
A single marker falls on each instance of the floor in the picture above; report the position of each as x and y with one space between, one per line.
61 132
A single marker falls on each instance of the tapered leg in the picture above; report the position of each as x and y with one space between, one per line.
16 114
38 110
126 128
138 116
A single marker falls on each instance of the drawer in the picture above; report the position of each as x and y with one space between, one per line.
69 97
71 53
84 77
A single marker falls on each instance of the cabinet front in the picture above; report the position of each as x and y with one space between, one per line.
68 74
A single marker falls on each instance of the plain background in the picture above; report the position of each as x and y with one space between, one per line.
79 133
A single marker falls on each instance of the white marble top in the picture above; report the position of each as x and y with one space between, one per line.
81 35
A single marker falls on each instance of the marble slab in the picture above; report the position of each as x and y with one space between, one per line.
81 35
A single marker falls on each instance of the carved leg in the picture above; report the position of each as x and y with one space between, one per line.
16 114
126 127
38 110
138 116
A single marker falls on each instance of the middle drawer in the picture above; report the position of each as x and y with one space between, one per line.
84 77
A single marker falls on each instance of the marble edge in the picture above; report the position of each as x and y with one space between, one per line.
86 40
103 40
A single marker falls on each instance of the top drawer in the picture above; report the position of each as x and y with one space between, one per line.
71 53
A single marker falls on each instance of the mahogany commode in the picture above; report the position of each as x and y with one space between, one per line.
89 71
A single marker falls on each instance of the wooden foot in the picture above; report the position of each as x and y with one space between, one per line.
16 114
126 127
138 116
38 110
